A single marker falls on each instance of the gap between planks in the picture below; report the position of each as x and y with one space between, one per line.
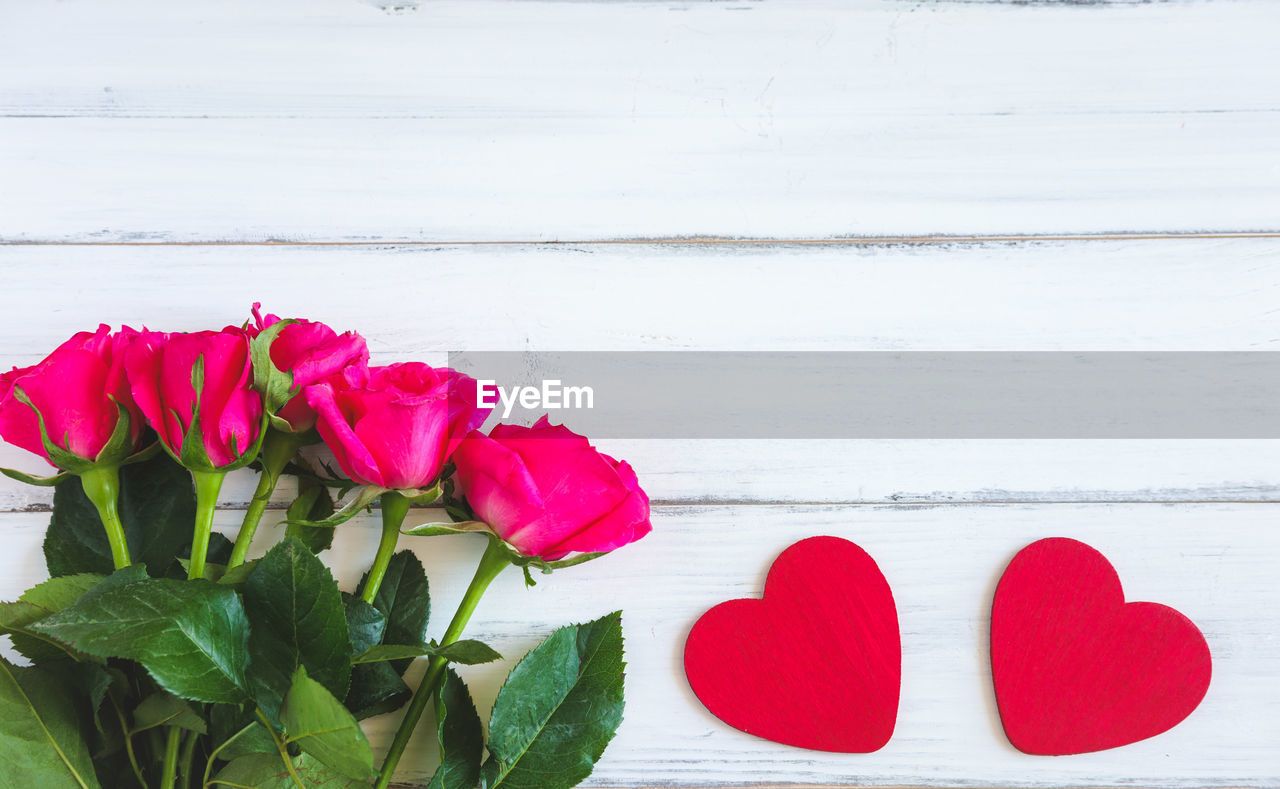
684 240
906 504
399 785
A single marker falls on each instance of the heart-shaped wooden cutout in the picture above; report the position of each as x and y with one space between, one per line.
1076 668
817 663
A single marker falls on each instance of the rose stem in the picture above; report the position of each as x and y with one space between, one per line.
170 758
102 486
394 509
494 561
208 483
277 450
187 764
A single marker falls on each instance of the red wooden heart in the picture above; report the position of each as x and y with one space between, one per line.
817 663
1076 669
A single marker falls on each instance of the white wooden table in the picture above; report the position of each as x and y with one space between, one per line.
742 175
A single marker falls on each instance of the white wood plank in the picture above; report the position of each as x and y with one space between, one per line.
896 471
1216 563
466 120
421 302
1183 295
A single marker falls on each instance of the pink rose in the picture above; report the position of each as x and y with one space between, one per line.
548 492
394 427
76 389
312 352
160 368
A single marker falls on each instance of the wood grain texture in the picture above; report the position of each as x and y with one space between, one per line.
943 563
466 120
368 122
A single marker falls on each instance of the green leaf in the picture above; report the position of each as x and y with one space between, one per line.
40 742
190 635
267 771
405 600
319 725
255 771
157 505
166 709
237 575
365 624
376 689
122 577
37 603
311 506
558 709
467 652
89 684
237 731
460 736
296 618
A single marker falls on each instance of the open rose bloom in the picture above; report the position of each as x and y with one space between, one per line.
393 427
547 492
79 390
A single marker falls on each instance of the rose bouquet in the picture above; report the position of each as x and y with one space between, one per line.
161 655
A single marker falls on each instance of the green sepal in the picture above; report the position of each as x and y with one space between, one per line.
62 458
365 496
30 479
120 446
118 450
468 652
193 454
527 562
513 553
423 497
275 385
144 454
441 529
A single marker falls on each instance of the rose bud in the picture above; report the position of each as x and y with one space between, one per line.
393 427
310 352
81 394
196 390
548 493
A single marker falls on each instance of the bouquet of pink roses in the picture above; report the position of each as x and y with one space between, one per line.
162 656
